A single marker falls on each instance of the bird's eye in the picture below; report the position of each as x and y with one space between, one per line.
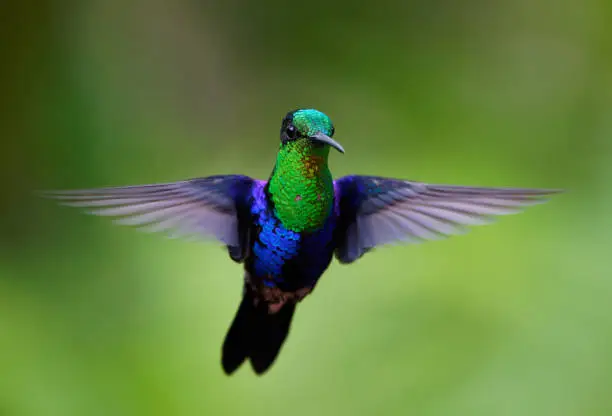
291 131
333 130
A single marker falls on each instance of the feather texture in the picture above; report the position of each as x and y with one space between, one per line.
375 211
207 207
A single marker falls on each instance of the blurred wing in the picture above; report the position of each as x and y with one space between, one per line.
208 207
376 211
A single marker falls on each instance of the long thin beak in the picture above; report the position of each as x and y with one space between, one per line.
324 138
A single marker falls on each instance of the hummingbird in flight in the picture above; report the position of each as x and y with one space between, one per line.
285 230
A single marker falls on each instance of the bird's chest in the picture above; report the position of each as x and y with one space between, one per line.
303 197
283 256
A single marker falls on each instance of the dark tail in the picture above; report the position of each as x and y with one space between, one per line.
255 334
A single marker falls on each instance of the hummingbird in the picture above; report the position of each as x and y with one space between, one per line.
286 230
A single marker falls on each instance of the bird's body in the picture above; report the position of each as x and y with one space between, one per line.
295 211
286 230
282 257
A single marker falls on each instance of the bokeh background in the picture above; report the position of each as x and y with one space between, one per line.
511 319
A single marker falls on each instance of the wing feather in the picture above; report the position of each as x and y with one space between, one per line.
206 207
375 211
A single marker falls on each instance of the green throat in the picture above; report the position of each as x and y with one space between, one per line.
301 186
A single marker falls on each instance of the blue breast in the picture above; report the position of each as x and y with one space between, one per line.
277 249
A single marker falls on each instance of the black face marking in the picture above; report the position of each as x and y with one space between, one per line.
288 130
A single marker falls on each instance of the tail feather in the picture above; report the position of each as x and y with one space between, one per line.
236 344
272 330
255 334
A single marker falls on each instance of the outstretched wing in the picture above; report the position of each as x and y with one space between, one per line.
376 211
209 207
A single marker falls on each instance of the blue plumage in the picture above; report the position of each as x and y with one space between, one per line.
282 258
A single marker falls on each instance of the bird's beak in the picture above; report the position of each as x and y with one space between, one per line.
324 138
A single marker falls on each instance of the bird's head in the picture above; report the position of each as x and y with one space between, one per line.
308 129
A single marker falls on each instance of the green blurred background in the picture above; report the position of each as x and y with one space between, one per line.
511 319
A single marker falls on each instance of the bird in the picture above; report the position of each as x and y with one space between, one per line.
286 230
